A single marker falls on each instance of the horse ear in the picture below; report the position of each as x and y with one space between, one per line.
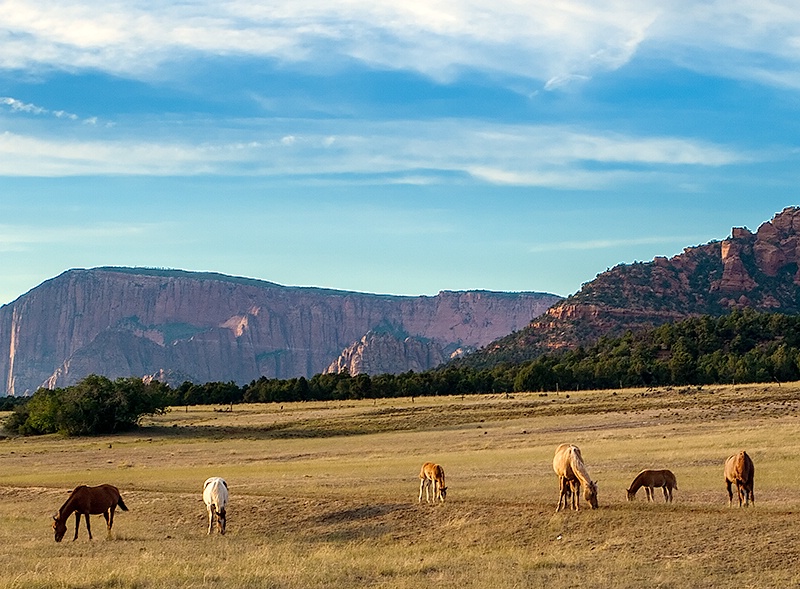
56 514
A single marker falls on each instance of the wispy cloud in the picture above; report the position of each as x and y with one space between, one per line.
17 238
511 154
537 39
25 107
553 42
599 244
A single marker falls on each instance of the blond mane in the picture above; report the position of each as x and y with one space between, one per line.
568 465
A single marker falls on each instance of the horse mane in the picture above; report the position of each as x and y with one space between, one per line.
578 467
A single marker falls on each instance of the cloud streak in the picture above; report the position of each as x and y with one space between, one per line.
600 244
511 154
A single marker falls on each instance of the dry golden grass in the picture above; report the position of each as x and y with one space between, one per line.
325 495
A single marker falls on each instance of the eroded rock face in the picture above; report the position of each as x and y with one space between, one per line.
210 327
758 270
388 353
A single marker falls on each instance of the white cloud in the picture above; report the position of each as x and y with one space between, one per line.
28 108
552 42
404 151
537 39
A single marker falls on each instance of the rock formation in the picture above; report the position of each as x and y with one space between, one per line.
209 327
384 352
758 270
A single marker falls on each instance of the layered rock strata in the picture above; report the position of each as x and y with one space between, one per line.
209 327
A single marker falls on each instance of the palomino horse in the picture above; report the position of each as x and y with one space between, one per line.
650 479
215 496
88 501
739 469
431 478
572 473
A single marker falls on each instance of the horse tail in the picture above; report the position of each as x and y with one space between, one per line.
121 504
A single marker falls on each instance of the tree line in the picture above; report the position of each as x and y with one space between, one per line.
741 347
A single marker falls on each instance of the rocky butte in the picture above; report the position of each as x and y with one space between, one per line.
207 327
758 270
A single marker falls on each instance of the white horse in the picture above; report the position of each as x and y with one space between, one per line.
215 495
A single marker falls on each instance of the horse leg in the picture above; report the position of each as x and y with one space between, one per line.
109 515
730 493
666 496
562 494
88 527
421 486
576 496
78 523
649 492
210 518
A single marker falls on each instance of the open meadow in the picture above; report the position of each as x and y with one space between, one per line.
325 495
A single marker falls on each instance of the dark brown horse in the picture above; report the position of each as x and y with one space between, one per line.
88 501
739 469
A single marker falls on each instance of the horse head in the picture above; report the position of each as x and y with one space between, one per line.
631 495
590 494
221 520
59 526
443 492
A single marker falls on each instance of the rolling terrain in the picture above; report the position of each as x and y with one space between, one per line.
325 494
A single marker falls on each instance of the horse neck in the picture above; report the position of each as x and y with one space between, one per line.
636 484
580 470
66 510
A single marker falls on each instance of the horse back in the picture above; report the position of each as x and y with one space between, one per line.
93 500
215 492
739 467
432 472
563 458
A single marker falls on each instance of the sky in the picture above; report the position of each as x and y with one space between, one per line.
390 147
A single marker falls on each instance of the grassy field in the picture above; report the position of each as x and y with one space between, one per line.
325 495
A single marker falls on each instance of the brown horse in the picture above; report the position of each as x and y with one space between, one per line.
739 469
88 501
431 478
572 473
650 479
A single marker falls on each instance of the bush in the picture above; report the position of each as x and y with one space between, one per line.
95 405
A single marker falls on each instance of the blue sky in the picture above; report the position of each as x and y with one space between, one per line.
389 147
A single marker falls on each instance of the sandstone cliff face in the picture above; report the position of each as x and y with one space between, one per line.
758 270
382 353
211 327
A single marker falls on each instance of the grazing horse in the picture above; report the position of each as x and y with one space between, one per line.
431 478
572 473
88 501
739 469
650 479
215 496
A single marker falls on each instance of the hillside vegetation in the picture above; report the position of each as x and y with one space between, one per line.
742 347
324 494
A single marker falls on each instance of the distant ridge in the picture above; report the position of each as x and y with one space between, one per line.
205 326
760 271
